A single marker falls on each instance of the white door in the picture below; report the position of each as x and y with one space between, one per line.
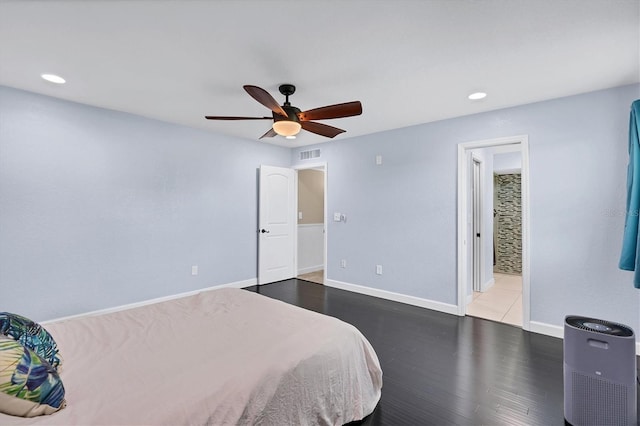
276 222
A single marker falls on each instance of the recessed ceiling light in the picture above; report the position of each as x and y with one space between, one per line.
53 78
290 137
477 95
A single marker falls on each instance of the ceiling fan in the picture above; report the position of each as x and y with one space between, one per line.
288 120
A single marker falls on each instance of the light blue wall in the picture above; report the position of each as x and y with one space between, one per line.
403 214
100 208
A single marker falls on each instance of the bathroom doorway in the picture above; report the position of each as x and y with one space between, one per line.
503 291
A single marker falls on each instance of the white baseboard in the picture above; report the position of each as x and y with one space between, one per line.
546 329
310 269
558 331
486 286
397 297
237 284
534 326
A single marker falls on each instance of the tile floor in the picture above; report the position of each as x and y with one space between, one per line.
316 276
502 302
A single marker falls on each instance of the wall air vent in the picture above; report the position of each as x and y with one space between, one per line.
306 155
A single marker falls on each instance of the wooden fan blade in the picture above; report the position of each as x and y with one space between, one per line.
219 117
270 133
265 99
321 129
348 109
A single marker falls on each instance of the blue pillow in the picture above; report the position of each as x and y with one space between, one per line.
32 335
29 385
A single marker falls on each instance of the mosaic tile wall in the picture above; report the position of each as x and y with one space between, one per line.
508 224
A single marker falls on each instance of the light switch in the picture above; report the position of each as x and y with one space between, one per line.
336 217
379 159
300 215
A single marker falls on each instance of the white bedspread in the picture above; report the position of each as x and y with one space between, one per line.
221 357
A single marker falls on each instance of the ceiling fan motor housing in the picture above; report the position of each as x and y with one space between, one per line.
292 113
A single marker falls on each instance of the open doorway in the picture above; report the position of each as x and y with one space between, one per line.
488 202
498 296
311 201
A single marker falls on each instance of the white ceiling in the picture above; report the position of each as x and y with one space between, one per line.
408 62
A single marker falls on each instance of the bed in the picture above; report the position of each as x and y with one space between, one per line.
220 357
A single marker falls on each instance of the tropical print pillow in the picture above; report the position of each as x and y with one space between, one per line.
29 385
32 335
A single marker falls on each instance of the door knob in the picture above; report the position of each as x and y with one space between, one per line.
264 231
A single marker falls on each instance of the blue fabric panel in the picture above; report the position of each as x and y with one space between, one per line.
629 259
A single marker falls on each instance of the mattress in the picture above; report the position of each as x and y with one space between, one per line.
221 357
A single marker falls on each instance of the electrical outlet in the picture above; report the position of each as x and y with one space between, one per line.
379 269
194 270
343 263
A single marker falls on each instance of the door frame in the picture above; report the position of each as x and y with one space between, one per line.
463 210
477 195
306 166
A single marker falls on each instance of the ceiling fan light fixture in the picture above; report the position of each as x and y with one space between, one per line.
287 127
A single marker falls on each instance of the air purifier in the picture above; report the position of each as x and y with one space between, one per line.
600 377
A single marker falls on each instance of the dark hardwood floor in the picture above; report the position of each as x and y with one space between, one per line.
441 369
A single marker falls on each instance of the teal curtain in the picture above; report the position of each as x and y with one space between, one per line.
629 259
